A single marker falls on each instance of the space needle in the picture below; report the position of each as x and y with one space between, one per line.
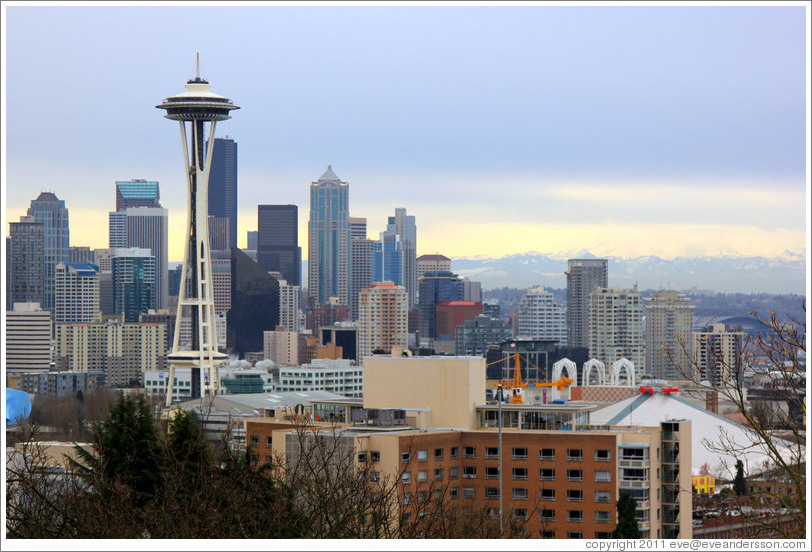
198 106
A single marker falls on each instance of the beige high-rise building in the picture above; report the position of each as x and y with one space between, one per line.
77 293
383 317
669 342
432 263
616 327
281 346
717 355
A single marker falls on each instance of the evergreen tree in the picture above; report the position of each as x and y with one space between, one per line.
739 483
626 522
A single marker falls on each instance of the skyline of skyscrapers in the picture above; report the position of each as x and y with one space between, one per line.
583 276
278 241
329 240
223 185
48 209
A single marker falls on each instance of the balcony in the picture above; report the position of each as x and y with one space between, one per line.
643 504
644 525
633 463
634 483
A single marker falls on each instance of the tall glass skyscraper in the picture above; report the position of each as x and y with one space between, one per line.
51 211
278 241
388 259
133 282
404 226
329 239
435 288
223 184
148 228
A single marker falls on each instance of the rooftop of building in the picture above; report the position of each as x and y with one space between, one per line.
47 196
459 304
138 189
434 257
329 176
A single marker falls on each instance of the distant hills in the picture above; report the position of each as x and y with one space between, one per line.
726 274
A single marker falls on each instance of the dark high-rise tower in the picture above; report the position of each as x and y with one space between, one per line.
278 241
583 275
197 105
51 211
26 262
223 185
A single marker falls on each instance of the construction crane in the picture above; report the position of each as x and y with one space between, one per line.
516 382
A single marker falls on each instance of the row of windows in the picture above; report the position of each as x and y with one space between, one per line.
492 472
517 453
517 493
545 534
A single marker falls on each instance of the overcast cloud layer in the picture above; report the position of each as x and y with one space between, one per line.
619 130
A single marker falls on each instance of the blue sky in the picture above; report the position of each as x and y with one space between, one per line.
619 130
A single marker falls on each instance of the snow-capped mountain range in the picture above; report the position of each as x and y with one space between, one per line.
728 274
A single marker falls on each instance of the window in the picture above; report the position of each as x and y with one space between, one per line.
469 452
406 478
422 455
575 534
519 453
603 534
575 516
269 442
469 492
603 456
438 454
407 498
406 457
455 452
454 493
453 473
544 534
603 496
469 472
520 513
547 474
437 494
491 473
362 457
375 455
422 496
375 476
547 454
575 495
519 473
254 439
603 517
603 476
575 455
491 452
438 474
422 476
519 494
546 494
575 475
546 515
492 493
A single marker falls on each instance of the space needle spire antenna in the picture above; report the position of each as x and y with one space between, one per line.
197 106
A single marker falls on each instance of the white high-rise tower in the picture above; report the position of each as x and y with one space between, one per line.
198 105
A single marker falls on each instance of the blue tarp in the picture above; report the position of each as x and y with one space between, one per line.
18 405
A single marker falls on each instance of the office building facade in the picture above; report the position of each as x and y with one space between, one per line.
254 304
223 185
361 260
133 278
405 228
51 211
148 228
717 355
28 338
387 258
278 241
474 336
329 240
77 293
669 335
137 193
583 276
435 288
219 233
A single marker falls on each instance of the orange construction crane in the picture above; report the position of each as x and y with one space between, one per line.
517 374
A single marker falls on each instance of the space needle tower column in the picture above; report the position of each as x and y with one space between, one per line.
197 106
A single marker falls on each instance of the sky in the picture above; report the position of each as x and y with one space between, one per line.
625 131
